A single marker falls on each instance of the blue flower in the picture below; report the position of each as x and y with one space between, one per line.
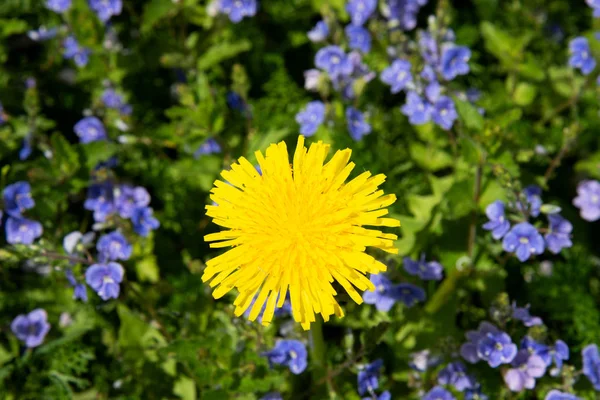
59 6
113 246
397 75
272 396
100 200
105 9
105 279
526 368
428 271
410 294
403 13
591 365
455 374
291 353
357 125
210 146
368 377
595 5
383 396
496 348
90 129
334 61
21 230
360 10
73 51
559 233
80 291
588 200
455 61
497 223
319 33
581 55
235 101
523 240
444 114
433 91
416 109
112 99
312 77
17 198
42 33
128 198
26 150
475 394
359 38
143 221
533 195
438 393
238 9
385 294
429 49
423 360
468 350
557 395
522 314
31 328
311 117
559 353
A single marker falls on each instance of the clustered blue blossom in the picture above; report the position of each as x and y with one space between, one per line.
105 9
112 99
104 279
31 328
74 51
588 200
386 294
59 6
42 34
319 33
17 199
311 118
524 239
237 10
368 377
431 270
90 129
402 14
291 353
210 146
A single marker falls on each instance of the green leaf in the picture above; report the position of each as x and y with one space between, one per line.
221 52
65 157
524 94
431 157
471 151
147 269
12 26
260 141
97 152
469 115
185 388
131 329
506 47
154 11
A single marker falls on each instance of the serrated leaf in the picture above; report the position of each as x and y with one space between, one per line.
469 115
430 157
65 157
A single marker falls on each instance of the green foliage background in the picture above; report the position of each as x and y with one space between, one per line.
165 337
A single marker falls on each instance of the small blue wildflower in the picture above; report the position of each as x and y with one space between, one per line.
522 314
113 246
438 393
397 75
80 291
468 350
595 5
21 230
128 198
75 241
533 195
455 374
403 13
385 294
422 360
581 55
557 395
539 349
17 198
475 394
588 200
360 10
26 149
312 77
410 294
272 396
104 279
497 223
526 368
359 38
235 101
58 6
559 353
416 109
143 221
357 125
383 396
311 117
111 99
428 73
432 93
319 33
90 129
100 200
559 233
210 146
105 9
455 61
591 365
334 61
428 271
444 113
291 353
238 9
429 49
368 377
523 240
42 34
496 348
31 328
73 51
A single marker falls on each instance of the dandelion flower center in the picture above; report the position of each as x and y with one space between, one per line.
296 228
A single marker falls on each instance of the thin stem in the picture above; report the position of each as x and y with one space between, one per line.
318 349
56 256
473 224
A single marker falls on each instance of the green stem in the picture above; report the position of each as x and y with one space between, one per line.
318 359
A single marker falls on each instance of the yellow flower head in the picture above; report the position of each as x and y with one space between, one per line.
296 227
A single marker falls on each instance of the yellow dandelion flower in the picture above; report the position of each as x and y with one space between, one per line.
296 227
